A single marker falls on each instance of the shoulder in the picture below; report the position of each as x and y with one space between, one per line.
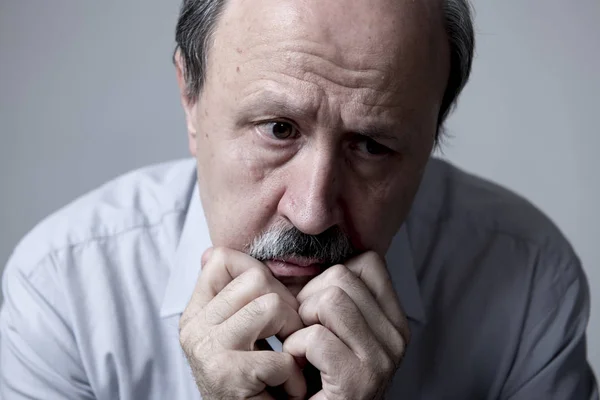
134 202
487 257
480 205
80 285
471 227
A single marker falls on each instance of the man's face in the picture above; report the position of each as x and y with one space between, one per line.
317 115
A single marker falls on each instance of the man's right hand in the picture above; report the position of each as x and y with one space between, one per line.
236 302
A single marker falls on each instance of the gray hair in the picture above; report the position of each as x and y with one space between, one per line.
284 240
198 19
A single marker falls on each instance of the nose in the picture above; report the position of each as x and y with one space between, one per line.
312 198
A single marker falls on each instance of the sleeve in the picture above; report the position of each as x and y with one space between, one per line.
38 354
552 359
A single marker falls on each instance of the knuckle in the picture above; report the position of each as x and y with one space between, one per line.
217 259
217 313
185 320
196 341
400 345
186 342
399 355
184 339
253 310
258 277
190 316
267 304
191 341
406 335
186 334
272 302
387 365
270 305
377 373
388 357
287 361
344 277
317 333
338 272
397 344
334 295
372 258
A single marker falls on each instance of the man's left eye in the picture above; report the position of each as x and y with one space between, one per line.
373 148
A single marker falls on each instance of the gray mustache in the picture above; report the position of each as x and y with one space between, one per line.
330 247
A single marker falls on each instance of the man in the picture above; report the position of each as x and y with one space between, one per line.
313 247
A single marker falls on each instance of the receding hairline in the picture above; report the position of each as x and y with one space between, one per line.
199 19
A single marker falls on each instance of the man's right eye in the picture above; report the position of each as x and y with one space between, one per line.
279 130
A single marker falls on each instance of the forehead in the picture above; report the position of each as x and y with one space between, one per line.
359 35
338 61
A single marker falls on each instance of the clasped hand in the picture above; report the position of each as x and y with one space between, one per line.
346 322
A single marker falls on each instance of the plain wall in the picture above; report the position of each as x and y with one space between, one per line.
87 92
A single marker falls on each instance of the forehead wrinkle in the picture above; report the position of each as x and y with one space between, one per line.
325 86
311 61
301 57
320 90
271 96
308 99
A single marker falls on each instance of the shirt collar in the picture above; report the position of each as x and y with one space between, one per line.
195 239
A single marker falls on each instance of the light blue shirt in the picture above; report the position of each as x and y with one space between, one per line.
496 298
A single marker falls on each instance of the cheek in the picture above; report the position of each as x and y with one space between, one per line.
243 192
244 169
376 211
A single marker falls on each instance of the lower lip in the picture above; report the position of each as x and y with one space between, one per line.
282 268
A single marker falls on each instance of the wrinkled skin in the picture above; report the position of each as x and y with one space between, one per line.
318 114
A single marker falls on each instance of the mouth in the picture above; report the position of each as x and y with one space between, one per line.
295 267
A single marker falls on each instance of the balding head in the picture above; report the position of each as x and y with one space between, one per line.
317 116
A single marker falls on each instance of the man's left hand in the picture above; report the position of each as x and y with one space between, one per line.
356 332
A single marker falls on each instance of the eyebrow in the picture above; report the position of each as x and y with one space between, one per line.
276 102
265 100
376 132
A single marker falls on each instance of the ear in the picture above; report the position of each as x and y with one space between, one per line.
189 106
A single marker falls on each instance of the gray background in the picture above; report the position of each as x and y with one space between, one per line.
87 92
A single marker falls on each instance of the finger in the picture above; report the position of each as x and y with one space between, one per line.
371 269
273 369
321 348
250 285
223 266
263 317
340 276
334 309
254 372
